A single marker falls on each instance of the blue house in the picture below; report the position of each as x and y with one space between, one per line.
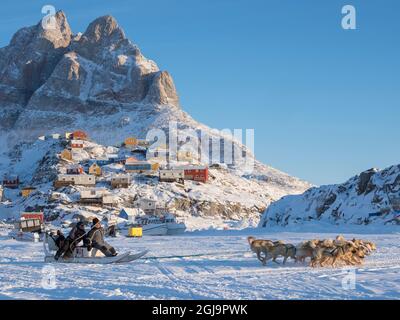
129 213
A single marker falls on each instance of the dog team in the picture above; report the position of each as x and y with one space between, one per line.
322 253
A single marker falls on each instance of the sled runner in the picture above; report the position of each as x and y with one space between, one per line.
82 255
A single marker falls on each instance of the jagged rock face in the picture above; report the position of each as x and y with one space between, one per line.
30 58
162 90
51 70
371 197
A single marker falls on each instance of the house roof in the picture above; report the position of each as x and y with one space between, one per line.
79 133
190 167
28 188
74 166
131 160
131 211
94 165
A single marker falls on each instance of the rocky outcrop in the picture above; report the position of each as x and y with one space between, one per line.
162 90
371 197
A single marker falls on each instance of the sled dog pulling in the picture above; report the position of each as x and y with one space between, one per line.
321 253
94 250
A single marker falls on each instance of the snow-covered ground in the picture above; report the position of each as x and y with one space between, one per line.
204 265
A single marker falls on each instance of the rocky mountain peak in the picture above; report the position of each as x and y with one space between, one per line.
48 68
30 58
58 31
105 27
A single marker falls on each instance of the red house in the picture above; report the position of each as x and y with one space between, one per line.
11 182
196 173
33 215
75 170
79 135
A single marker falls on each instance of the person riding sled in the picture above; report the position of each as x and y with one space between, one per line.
95 239
70 243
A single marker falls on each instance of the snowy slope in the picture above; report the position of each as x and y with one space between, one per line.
372 197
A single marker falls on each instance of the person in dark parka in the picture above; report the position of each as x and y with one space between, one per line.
75 236
95 239
60 239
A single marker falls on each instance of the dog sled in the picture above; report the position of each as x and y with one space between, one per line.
82 255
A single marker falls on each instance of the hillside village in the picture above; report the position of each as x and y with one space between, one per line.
80 179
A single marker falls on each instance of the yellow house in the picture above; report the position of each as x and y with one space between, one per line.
95 170
185 156
66 155
25 192
131 142
155 166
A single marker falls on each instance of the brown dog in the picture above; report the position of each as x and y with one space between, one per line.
261 247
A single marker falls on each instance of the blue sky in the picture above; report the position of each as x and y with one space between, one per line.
324 102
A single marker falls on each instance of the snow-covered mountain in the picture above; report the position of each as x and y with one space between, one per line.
55 81
372 197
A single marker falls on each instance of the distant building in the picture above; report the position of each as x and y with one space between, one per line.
195 173
101 161
130 213
11 182
79 135
95 170
77 144
185 156
66 155
64 180
75 169
149 206
33 215
172 175
112 158
133 165
120 181
1 193
26 191
97 197
130 142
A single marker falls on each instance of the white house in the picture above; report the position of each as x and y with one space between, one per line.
147 205
75 179
120 181
99 196
172 175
